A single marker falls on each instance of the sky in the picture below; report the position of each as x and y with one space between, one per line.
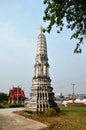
20 22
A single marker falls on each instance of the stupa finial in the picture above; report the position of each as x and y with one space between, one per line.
41 29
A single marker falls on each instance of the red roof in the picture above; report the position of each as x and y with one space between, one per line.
16 92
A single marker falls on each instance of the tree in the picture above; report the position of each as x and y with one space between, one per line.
3 97
74 11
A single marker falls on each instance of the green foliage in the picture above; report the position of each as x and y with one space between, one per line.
50 112
74 11
4 104
16 105
3 97
1 105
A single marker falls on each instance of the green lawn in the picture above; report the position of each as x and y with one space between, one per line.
72 117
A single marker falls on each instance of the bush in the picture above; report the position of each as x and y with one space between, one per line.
16 105
3 97
50 112
1 106
4 104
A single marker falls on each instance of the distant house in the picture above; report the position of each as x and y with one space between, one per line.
69 96
16 95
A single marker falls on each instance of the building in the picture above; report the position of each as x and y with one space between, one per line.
16 96
41 96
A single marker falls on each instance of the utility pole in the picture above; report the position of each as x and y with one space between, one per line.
73 91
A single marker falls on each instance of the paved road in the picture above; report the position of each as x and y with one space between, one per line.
11 121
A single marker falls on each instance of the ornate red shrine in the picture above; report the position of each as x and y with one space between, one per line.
16 95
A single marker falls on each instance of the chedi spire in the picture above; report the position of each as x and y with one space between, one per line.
41 96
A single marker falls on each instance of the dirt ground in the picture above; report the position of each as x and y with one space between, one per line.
11 121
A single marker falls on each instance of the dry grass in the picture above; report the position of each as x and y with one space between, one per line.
72 117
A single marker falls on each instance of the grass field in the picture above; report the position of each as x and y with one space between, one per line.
72 117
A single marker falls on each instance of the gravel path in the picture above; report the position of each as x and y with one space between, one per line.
11 121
